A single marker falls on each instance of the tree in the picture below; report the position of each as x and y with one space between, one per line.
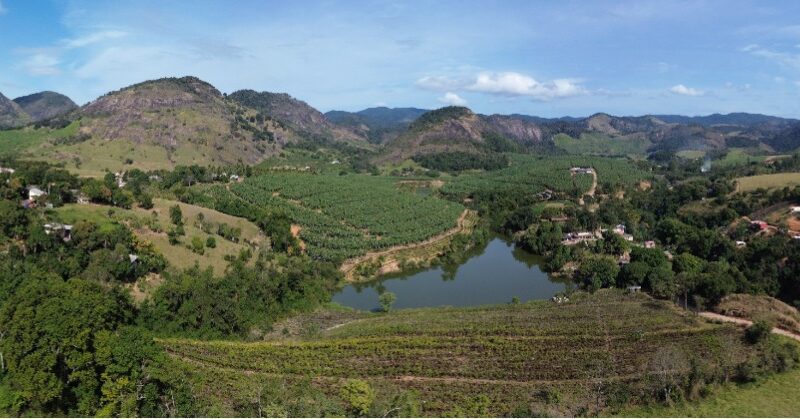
387 299
176 215
211 242
359 396
145 201
197 245
598 271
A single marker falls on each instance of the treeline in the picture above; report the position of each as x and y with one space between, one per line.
73 342
456 161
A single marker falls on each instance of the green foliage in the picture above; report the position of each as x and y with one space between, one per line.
175 215
758 332
359 396
197 245
211 242
387 299
456 161
598 271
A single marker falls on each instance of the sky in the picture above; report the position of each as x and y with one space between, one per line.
552 58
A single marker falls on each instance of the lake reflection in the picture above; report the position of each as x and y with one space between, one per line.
494 274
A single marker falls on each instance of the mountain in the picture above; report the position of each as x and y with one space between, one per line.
737 118
297 115
45 105
379 124
11 115
458 129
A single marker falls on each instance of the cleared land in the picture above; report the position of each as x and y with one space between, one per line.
554 359
601 144
151 225
776 180
775 396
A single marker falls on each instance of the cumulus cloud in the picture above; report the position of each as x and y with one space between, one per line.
680 89
453 99
510 84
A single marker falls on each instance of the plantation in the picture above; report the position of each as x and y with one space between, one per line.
771 181
529 174
540 357
340 216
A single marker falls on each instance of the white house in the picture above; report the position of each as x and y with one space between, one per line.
34 192
795 210
740 244
7 170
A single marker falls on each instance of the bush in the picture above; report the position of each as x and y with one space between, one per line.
358 395
758 332
387 299
211 242
197 245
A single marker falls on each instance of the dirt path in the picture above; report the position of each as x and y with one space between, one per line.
744 322
351 264
592 189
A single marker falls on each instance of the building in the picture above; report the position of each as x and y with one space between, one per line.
628 237
582 170
34 192
83 199
740 244
760 225
795 210
6 170
650 244
61 230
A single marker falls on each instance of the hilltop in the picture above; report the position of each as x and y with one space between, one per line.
45 105
379 124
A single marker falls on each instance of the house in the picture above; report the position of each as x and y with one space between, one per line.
7 170
120 176
155 178
34 192
796 236
582 170
795 210
650 244
234 178
61 230
335 162
740 244
760 225
133 258
634 289
83 199
628 237
28 204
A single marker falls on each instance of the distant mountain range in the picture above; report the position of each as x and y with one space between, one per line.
161 123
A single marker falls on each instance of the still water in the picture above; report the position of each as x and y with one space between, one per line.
493 274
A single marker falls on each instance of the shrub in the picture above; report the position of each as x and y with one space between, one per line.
359 396
197 245
211 242
387 299
758 331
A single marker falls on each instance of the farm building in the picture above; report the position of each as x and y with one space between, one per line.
795 210
582 170
760 225
740 244
34 192
650 244
6 170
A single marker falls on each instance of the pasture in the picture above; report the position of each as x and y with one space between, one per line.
771 181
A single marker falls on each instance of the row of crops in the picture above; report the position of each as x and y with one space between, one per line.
531 174
343 217
604 337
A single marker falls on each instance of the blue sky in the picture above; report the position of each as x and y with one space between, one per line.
541 58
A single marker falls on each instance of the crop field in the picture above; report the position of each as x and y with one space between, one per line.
512 355
600 144
344 216
775 180
529 174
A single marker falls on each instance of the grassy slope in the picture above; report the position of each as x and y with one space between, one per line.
776 396
515 355
596 143
776 180
19 140
178 256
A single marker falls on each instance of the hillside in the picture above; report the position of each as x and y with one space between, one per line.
11 115
45 105
538 358
379 124
297 115
458 129
160 123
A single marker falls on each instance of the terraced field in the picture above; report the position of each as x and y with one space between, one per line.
342 217
511 357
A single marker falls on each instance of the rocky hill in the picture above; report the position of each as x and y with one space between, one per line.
297 115
45 105
11 115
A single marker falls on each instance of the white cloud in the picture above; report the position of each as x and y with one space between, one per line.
92 38
680 89
506 84
41 64
451 98
784 58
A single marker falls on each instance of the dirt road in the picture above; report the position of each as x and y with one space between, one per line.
744 322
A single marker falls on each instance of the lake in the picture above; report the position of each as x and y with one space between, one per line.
493 274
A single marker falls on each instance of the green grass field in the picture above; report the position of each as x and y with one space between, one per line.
17 141
143 221
524 359
776 396
776 180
